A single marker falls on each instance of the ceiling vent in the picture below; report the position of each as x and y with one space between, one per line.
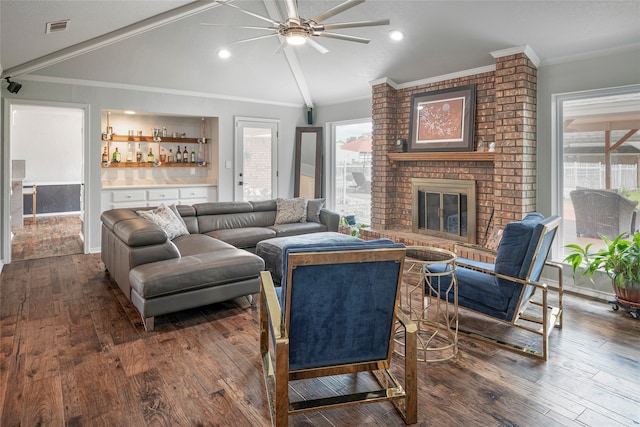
57 26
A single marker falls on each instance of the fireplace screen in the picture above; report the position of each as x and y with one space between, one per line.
443 212
444 209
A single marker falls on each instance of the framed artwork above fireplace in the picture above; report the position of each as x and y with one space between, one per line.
443 120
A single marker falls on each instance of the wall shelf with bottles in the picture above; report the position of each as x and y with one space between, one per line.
163 139
160 149
127 151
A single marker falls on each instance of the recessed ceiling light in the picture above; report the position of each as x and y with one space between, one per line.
129 112
224 53
396 35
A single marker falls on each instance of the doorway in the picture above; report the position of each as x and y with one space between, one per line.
46 204
256 169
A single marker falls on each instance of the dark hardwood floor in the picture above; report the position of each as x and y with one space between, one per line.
74 352
47 236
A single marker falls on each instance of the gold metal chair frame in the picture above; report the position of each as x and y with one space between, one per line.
550 318
277 380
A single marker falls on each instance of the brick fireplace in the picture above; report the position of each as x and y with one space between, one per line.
505 180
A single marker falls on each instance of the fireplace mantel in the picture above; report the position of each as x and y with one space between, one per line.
473 156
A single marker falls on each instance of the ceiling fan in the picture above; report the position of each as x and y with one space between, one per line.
298 31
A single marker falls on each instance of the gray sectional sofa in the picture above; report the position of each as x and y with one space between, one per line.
213 262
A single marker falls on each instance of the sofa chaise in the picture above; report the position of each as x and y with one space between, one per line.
211 260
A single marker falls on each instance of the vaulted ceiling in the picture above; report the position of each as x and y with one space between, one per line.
161 44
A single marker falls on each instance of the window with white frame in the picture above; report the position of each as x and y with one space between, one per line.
599 147
349 169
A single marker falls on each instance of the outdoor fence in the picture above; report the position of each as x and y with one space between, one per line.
350 201
592 175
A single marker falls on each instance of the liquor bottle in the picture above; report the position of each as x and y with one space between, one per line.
150 157
164 131
129 154
178 155
171 158
138 154
185 156
116 156
105 156
193 155
200 155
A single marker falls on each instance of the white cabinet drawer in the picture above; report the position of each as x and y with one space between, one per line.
168 194
193 193
129 196
124 205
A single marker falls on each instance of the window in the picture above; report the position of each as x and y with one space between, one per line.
599 146
349 177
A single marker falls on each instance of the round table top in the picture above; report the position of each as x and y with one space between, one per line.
430 255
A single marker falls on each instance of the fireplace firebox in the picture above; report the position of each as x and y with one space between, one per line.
444 208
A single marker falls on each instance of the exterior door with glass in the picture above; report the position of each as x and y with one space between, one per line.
256 170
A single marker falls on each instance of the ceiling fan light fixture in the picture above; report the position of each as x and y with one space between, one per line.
296 36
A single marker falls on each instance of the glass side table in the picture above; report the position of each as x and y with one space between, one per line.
424 297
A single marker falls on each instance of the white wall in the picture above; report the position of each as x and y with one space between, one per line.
616 70
621 69
101 98
50 141
352 110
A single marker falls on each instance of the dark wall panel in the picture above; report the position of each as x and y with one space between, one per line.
54 199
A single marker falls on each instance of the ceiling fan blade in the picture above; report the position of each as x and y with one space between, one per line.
281 46
264 18
341 25
343 37
292 10
317 46
237 26
336 10
254 38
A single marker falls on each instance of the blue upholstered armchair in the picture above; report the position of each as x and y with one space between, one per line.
335 313
504 289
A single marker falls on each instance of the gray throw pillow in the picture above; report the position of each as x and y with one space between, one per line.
164 217
313 209
174 209
291 210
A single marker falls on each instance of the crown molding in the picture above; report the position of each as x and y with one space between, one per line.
526 49
152 89
436 79
384 80
594 54
450 76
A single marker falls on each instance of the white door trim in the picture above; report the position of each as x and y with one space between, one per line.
6 170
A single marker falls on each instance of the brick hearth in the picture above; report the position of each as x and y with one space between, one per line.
505 114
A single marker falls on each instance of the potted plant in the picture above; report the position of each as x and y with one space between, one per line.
620 260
